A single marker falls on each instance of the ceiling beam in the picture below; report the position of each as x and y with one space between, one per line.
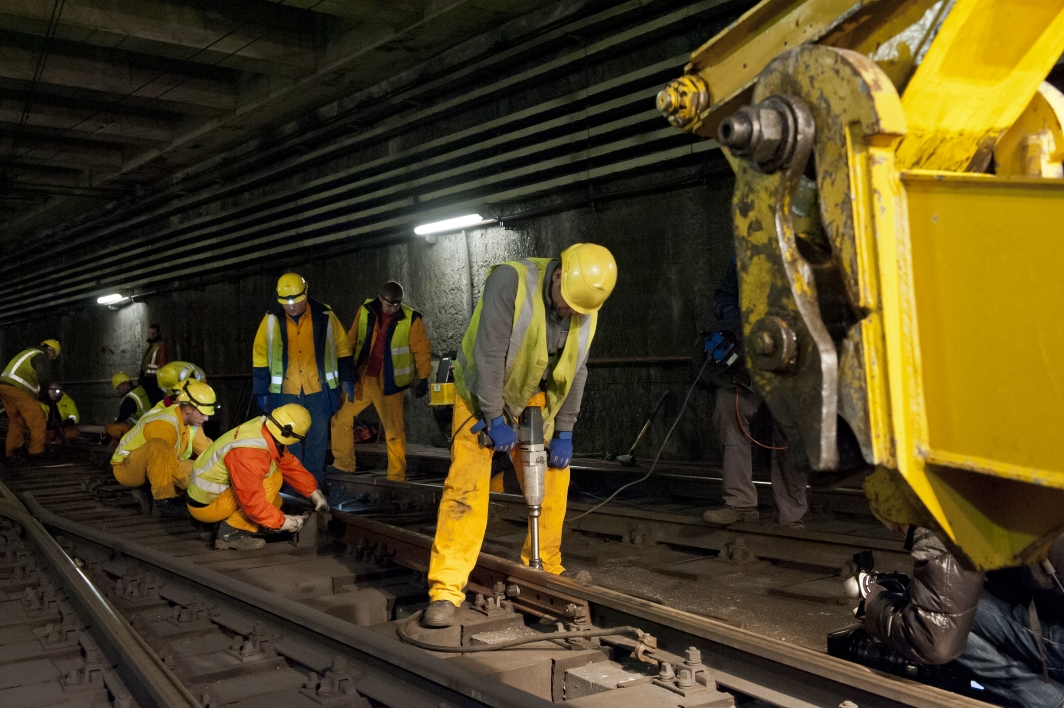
79 123
390 14
170 30
95 157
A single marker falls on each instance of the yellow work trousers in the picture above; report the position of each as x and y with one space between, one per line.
115 431
52 436
23 410
154 462
463 515
389 409
226 508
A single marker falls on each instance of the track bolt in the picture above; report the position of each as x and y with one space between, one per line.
665 672
513 590
312 681
686 678
692 656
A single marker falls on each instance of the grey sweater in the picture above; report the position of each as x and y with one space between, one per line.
493 339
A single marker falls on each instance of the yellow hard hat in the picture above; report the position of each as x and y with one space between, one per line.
51 343
291 288
289 423
120 378
170 376
589 274
199 395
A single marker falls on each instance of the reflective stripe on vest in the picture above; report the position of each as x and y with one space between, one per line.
527 358
275 352
147 362
141 400
20 370
402 360
135 437
210 476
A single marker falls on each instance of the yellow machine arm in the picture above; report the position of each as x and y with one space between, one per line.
918 324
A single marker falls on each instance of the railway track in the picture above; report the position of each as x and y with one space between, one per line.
340 592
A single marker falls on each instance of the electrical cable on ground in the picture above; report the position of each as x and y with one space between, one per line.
509 644
743 427
661 449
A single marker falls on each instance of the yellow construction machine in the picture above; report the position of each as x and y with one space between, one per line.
899 229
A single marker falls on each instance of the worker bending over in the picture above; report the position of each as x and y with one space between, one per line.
21 396
61 415
158 450
135 403
302 356
391 352
172 376
236 483
526 345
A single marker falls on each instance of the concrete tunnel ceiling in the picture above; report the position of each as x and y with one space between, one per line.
102 99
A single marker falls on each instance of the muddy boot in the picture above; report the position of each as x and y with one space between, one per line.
731 515
143 497
232 539
439 614
172 508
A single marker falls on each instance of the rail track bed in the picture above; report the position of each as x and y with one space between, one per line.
315 620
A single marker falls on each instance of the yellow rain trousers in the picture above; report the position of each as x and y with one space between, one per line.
115 431
23 410
463 515
225 507
155 462
389 409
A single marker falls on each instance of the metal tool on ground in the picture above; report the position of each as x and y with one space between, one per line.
628 459
533 457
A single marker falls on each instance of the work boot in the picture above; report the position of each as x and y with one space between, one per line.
439 614
172 508
731 515
143 497
233 539
578 576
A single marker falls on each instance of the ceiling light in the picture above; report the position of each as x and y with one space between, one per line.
455 224
112 299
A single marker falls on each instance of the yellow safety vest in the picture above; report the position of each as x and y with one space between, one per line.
20 373
140 398
148 365
210 476
67 409
527 358
275 351
402 360
135 437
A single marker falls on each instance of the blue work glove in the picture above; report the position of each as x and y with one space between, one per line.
264 402
561 451
503 437
348 387
421 389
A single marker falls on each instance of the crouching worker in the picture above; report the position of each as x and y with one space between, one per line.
135 403
237 482
158 450
61 414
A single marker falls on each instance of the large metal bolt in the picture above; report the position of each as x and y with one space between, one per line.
692 656
773 345
683 99
763 344
685 679
765 134
665 672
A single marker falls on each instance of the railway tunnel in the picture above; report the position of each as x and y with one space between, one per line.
724 248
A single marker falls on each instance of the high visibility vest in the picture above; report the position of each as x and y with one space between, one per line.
66 407
143 403
400 366
135 437
276 355
149 362
19 371
527 357
210 476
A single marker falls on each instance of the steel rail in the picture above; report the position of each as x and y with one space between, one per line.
141 669
366 641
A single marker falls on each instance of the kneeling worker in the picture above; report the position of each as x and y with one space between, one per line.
20 394
61 414
237 481
135 403
526 345
159 448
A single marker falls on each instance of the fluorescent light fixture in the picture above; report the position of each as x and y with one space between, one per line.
459 222
112 299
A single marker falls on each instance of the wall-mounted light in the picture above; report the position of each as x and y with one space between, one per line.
456 224
112 299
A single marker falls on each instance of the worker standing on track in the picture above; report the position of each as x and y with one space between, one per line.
172 376
61 415
155 357
135 403
735 408
236 483
526 344
158 450
20 393
391 352
301 355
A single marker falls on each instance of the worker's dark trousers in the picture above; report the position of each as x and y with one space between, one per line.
312 452
1003 656
788 482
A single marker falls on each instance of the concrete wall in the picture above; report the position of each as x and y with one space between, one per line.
671 249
